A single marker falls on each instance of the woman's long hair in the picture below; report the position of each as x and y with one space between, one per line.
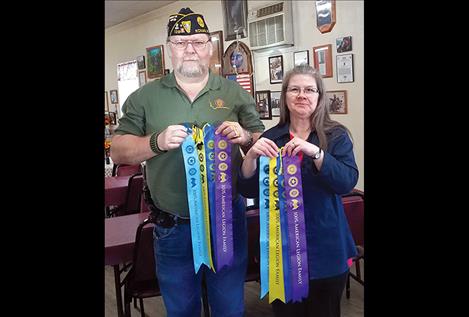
321 122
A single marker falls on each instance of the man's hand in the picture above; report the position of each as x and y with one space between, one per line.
234 132
172 137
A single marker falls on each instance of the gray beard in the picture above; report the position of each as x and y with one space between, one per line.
195 72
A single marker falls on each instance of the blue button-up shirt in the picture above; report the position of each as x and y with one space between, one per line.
330 242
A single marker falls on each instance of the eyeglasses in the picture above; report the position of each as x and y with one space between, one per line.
181 45
295 91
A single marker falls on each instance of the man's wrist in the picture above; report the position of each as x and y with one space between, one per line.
154 144
250 138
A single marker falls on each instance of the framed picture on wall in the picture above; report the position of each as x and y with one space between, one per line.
235 13
336 101
142 78
141 62
343 44
325 15
263 105
276 69
155 61
216 61
275 102
114 98
344 68
322 56
301 57
106 102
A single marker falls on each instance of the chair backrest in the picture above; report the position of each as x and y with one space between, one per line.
354 204
126 170
134 194
141 280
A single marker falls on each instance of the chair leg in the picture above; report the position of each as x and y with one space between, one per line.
135 302
127 300
347 287
142 310
357 269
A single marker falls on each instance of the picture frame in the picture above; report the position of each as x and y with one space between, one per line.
239 54
114 96
322 59
141 62
343 44
345 68
275 103
142 78
263 104
106 101
336 101
325 15
276 69
216 64
111 117
235 13
301 57
155 61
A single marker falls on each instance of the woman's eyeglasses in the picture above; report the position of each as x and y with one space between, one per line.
295 91
181 45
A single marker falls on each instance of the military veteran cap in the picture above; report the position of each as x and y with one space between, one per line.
186 22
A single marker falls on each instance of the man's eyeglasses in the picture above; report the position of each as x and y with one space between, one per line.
181 45
295 91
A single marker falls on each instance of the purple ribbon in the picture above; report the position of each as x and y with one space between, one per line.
223 203
296 227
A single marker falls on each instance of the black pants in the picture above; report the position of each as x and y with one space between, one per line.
323 299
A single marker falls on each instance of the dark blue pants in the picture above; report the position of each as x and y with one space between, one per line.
181 287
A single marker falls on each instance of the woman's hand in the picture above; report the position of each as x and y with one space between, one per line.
263 146
296 145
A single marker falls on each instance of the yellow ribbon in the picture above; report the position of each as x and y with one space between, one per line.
199 141
276 284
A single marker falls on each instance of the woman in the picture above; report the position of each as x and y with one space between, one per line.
328 170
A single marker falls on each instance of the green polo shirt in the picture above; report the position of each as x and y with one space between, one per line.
161 103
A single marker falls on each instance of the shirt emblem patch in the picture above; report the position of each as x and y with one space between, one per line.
218 104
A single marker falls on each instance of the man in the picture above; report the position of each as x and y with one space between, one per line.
151 130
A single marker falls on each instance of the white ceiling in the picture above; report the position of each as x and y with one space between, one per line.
116 12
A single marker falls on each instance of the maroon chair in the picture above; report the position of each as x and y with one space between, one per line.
141 281
132 203
354 211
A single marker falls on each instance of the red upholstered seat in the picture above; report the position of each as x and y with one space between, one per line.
354 204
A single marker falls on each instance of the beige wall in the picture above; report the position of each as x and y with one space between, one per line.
127 40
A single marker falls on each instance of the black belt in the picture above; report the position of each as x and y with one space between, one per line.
167 220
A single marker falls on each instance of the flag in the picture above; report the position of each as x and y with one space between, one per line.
243 79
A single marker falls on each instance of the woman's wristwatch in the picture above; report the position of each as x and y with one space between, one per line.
317 155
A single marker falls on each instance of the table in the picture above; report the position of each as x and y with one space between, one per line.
119 241
115 190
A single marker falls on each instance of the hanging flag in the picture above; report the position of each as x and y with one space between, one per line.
244 80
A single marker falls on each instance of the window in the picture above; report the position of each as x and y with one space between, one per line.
127 81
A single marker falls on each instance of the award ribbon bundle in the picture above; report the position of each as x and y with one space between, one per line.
207 163
283 253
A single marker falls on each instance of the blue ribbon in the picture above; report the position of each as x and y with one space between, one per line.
194 196
264 223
